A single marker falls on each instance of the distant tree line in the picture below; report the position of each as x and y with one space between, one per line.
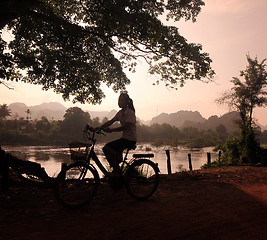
45 132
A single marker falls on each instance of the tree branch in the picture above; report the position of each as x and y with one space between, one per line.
6 85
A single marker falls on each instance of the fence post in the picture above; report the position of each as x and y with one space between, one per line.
208 158
190 162
168 162
63 166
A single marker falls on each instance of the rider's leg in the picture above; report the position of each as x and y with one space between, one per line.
113 157
113 152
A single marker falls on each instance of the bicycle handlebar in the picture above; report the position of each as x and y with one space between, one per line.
93 130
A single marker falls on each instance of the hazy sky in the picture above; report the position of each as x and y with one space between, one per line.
227 30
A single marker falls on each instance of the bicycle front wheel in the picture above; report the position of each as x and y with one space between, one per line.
142 179
76 185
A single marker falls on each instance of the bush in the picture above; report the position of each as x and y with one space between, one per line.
236 152
232 151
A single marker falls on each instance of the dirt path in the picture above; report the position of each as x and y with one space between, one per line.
208 204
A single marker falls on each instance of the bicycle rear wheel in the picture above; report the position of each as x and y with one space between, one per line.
142 179
76 185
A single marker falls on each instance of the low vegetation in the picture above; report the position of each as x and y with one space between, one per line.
44 132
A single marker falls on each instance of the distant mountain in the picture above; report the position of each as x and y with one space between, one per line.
102 114
179 118
18 109
53 106
183 119
52 110
228 120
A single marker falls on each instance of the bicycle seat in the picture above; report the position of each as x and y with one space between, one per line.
141 155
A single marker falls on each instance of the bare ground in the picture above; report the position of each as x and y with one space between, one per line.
228 203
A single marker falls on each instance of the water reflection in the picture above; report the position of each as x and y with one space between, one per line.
51 157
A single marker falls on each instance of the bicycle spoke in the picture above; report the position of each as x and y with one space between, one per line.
142 179
76 185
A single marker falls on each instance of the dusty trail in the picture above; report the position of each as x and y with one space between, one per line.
228 203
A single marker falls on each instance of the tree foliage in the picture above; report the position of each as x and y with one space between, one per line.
244 97
4 111
74 121
43 131
43 125
76 46
250 93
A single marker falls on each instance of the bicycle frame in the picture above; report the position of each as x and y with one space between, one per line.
92 155
77 184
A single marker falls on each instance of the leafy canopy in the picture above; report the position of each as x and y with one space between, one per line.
75 46
74 121
248 93
244 97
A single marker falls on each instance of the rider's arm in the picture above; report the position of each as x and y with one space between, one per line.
129 121
108 123
121 128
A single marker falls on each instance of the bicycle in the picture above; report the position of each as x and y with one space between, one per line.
77 184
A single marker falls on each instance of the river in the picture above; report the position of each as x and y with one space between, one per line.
51 157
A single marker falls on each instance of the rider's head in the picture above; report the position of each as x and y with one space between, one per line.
125 100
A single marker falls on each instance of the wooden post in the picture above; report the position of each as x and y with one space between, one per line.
63 166
208 158
190 162
168 162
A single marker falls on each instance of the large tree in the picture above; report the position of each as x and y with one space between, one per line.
74 121
249 93
244 97
75 46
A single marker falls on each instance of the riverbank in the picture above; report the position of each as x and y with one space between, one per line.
51 157
226 203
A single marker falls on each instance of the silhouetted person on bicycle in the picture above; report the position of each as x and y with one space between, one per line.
113 150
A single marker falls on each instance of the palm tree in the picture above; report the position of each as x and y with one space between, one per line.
4 111
28 114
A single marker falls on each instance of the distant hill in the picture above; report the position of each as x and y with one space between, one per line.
52 110
18 109
102 114
54 106
179 118
183 119
228 120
